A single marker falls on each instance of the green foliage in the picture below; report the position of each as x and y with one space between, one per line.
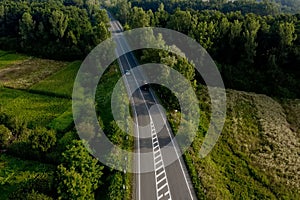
79 175
254 52
59 31
180 21
245 6
35 188
21 175
33 195
42 139
62 123
104 92
16 125
115 189
55 155
122 10
26 26
5 136
138 18
65 140
73 185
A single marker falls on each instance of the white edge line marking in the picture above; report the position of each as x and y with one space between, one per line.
167 126
136 124
118 40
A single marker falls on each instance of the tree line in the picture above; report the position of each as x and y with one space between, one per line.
57 29
262 7
245 6
259 53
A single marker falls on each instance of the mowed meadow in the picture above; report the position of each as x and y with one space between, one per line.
34 93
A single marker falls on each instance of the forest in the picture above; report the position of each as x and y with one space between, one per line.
41 155
64 30
254 52
255 44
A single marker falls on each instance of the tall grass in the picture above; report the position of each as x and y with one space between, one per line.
37 110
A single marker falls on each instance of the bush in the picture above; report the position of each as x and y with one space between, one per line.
33 144
33 195
23 150
61 146
42 139
37 188
5 136
79 175
115 189
16 125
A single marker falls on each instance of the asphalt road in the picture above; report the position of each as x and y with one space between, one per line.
164 182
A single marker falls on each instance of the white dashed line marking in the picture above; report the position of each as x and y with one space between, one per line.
160 173
162 186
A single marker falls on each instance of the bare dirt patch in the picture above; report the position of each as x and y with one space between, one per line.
25 74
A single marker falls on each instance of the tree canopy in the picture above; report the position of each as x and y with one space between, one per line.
65 30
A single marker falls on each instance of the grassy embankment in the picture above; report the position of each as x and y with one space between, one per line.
256 156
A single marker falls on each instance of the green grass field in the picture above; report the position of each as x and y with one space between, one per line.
7 59
33 108
60 83
14 172
2 53
63 122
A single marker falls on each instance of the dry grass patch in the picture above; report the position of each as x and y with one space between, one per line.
280 147
292 111
25 74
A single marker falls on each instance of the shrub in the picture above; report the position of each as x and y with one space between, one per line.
13 123
33 195
79 175
5 136
42 139
61 146
36 188
115 189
